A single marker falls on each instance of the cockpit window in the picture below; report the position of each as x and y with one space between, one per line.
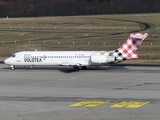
13 55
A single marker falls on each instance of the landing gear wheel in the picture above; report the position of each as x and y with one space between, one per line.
13 67
76 69
84 67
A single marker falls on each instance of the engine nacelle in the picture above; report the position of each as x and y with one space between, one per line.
102 59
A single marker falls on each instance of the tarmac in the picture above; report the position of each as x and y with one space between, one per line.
120 92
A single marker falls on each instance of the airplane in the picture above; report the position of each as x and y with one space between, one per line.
78 59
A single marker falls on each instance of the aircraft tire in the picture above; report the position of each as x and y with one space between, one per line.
84 67
76 69
13 67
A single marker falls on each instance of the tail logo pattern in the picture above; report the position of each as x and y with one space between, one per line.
128 49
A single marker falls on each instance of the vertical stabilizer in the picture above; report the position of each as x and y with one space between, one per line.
128 49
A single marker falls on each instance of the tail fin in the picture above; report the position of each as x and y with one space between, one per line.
128 49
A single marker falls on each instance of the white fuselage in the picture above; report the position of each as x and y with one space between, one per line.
68 58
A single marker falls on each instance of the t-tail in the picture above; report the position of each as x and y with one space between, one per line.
129 48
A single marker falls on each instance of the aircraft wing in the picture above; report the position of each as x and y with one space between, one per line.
70 64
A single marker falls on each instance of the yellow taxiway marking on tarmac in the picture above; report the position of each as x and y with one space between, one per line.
89 103
89 111
132 104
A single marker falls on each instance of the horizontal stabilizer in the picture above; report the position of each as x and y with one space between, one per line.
138 36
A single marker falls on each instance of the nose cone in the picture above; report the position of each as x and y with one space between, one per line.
7 61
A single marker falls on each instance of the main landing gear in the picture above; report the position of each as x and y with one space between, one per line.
84 67
76 68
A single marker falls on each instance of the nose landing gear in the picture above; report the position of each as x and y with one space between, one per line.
12 67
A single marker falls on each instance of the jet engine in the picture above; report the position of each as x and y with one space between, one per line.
102 59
